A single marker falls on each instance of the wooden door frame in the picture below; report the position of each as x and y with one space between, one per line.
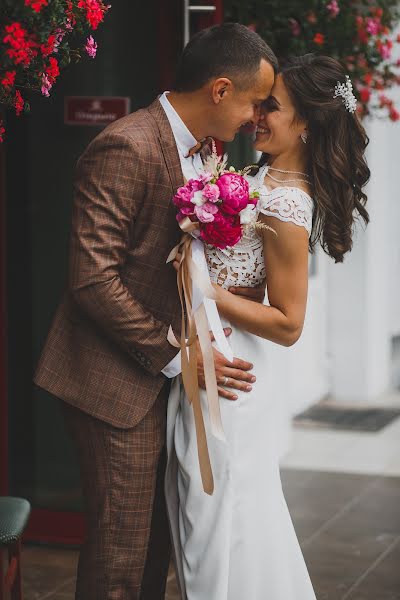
3 333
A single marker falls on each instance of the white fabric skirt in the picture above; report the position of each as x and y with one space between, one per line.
240 542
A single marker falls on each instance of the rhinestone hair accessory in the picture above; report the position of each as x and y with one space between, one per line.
345 91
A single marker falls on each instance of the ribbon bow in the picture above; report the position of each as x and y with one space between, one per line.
197 302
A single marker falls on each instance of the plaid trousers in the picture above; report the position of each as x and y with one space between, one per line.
127 550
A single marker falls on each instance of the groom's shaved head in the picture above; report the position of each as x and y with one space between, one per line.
228 50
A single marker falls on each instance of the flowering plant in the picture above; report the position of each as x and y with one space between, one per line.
359 33
37 39
219 203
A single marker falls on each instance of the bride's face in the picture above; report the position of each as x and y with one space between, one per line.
278 131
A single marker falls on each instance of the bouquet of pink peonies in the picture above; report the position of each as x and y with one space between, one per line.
218 203
214 208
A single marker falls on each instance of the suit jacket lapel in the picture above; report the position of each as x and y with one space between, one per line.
167 143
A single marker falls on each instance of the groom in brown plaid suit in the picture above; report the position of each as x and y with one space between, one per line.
107 347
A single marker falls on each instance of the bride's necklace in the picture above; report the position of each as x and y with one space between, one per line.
290 172
305 178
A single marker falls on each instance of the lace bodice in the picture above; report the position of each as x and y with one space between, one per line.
243 264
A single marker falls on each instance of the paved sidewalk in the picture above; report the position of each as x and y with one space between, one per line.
329 450
348 526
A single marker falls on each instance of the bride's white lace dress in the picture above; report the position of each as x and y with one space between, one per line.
238 544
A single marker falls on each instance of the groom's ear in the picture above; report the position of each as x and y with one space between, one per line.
221 87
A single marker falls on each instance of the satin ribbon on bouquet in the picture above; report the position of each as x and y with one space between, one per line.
197 302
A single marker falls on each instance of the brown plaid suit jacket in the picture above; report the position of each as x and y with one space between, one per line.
108 341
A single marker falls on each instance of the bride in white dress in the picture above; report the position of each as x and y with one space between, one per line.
239 543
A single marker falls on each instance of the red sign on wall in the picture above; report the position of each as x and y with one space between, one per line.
94 110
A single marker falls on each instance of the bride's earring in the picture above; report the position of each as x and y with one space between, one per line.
304 137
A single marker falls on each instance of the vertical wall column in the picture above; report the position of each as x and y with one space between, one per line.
359 289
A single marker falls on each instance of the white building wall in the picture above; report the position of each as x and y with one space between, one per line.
308 359
354 307
363 292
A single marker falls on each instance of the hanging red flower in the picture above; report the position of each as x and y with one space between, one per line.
319 39
8 79
52 69
22 45
36 43
36 5
94 12
365 95
48 48
394 114
18 103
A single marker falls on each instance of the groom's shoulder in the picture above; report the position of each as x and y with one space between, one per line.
138 127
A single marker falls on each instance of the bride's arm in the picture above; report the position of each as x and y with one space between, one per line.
286 265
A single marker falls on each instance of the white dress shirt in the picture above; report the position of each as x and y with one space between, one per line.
191 167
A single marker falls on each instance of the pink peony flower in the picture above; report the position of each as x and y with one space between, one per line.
234 193
206 213
183 213
205 178
195 184
223 231
183 197
211 192
91 47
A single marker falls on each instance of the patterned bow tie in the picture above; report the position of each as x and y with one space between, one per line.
198 147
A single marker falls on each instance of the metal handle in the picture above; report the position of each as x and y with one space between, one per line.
187 9
202 8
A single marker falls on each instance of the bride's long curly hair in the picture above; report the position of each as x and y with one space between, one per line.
335 149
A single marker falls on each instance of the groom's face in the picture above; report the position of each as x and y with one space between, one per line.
241 105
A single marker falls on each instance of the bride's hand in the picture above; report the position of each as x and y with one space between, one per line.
234 375
257 294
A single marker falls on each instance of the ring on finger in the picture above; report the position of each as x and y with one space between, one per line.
225 382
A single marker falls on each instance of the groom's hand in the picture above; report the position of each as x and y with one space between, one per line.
233 375
256 294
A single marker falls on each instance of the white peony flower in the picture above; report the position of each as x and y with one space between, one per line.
198 198
248 214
